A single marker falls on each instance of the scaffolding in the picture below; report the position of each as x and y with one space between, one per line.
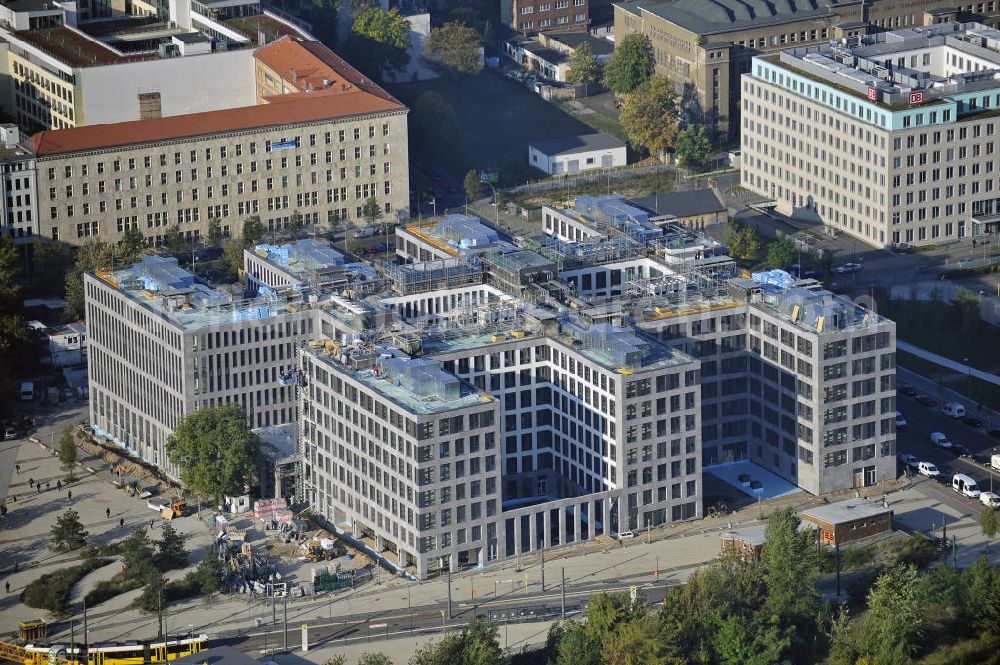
413 278
618 246
515 271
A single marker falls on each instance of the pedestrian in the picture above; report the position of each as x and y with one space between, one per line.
121 522
39 488
13 498
31 482
107 513
70 493
7 584
59 485
150 524
18 467
48 485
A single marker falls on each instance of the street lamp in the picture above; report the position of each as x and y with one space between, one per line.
496 202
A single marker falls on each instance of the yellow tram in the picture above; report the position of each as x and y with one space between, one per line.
129 653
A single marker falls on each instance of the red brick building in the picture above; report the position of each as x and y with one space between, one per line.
850 520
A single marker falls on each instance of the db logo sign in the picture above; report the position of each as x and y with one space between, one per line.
916 98
873 94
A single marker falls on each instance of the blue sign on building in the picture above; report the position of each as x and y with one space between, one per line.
285 145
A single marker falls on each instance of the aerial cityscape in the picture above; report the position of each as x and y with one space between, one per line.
499 332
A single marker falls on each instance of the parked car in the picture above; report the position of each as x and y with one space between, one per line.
900 421
365 232
990 499
849 268
953 409
909 460
926 400
973 421
626 535
961 451
9 432
379 247
964 484
907 390
928 469
940 440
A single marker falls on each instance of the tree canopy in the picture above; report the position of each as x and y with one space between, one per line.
781 252
14 337
95 255
67 448
473 185
692 147
379 41
649 115
454 48
584 69
630 65
371 210
215 450
68 532
744 243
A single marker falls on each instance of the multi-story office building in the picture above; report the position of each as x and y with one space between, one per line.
512 400
163 343
18 201
890 138
704 46
58 69
533 16
322 141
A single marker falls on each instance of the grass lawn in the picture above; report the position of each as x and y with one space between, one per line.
498 119
937 327
975 389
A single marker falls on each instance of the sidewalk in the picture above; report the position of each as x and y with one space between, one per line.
947 362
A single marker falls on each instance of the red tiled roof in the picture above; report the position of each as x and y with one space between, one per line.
308 107
349 94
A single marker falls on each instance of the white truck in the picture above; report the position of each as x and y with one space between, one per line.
995 462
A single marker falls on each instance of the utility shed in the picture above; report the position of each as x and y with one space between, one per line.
850 520
747 543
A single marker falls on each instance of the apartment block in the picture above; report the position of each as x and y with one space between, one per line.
323 149
889 138
704 47
534 16
18 198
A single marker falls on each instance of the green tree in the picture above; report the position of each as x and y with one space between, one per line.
894 621
640 640
295 224
253 231
132 244
152 595
455 49
982 593
649 116
445 651
745 641
10 269
215 450
575 647
791 568
371 210
68 532
170 549
630 65
232 258
374 658
473 186
210 572
67 448
379 41
50 261
692 147
781 252
137 555
988 522
435 130
174 239
13 333
743 241
584 69
214 232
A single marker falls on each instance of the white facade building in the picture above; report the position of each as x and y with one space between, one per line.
577 153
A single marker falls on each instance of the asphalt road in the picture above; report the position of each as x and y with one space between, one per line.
915 440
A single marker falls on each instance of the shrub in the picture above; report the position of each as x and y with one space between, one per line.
51 590
109 589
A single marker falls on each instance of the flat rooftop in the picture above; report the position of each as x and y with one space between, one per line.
846 511
814 310
262 25
184 299
387 383
455 234
714 16
302 259
76 50
939 61
571 145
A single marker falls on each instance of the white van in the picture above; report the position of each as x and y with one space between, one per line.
27 392
963 484
928 469
990 499
940 440
953 409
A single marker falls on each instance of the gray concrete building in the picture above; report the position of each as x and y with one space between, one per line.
890 138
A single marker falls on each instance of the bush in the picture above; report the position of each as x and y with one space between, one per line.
188 586
103 550
51 591
917 550
850 557
109 589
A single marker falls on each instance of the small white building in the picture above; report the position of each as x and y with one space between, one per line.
574 154
68 344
